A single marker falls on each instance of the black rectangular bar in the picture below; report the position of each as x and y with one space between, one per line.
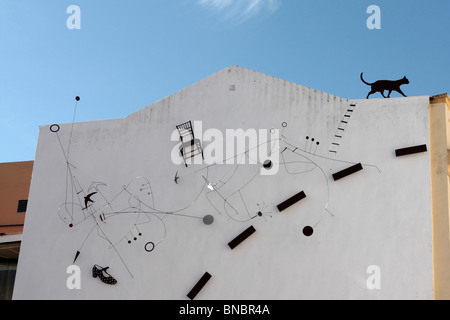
289 202
411 150
342 174
199 286
240 238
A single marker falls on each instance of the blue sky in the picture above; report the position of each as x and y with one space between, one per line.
129 54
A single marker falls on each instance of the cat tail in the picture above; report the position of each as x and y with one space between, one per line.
369 84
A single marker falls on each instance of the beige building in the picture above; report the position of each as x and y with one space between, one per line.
440 166
15 181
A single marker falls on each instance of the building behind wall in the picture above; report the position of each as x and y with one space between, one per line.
15 181
440 173
357 186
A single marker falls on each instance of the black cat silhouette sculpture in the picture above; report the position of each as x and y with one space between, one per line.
382 85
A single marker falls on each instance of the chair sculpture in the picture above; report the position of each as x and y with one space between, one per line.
190 146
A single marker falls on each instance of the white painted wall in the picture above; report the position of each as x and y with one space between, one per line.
379 216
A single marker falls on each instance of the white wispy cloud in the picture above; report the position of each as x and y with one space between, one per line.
241 9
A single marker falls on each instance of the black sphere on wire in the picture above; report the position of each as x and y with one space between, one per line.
77 98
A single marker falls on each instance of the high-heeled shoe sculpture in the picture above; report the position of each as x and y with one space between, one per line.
100 272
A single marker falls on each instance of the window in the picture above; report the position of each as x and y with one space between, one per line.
22 207
7 278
